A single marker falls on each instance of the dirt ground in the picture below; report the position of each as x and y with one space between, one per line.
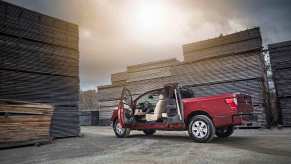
99 145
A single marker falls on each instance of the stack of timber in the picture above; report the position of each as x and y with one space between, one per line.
89 108
108 99
280 58
23 123
89 118
151 70
231 63
39 62
119 78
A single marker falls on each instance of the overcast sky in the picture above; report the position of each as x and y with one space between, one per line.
117 33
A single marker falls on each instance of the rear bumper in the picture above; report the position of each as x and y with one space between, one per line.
242 119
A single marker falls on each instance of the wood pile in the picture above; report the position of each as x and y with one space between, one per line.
235 43
24 123
119 78
88 101
39 62
280 59
151 70
231 63
89 108
89 118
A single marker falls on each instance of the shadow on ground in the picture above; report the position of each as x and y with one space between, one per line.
250 143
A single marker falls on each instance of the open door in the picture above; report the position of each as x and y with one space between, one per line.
125 111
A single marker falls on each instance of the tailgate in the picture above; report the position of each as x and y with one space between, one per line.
244 103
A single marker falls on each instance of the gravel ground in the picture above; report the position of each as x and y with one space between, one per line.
99 145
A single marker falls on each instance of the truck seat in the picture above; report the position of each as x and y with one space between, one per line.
159 109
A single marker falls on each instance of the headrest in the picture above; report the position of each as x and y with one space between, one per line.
161 97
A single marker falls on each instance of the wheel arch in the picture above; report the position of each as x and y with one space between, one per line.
194 113
114 115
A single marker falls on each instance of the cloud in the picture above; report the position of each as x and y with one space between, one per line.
114 34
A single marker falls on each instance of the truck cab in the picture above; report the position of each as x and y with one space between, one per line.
176 108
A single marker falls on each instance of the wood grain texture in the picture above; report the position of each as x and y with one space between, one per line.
21 122
280 59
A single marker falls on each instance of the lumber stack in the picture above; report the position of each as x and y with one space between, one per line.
88 100
24 123
108 98
231 63
89 108
119 78
151 70
89 118
280 59
39 62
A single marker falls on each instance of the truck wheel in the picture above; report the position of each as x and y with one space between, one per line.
149 132
201 129
224 132
119 131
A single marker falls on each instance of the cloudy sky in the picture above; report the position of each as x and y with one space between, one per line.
117 33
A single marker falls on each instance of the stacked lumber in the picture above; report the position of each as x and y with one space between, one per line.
18 21
280 59
235 43
226 68
88 101
231 63
89 108
151 70
24 123
39 62
119 78
37 57
89 118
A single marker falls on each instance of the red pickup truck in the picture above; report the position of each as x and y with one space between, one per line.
176 108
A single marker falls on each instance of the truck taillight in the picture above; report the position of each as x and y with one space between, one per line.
232 102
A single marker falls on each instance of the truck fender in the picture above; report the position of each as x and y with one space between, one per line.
194 113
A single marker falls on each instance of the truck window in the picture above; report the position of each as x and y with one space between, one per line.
186 93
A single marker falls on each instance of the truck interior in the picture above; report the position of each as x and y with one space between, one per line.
158 106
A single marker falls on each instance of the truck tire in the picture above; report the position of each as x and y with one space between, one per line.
119 131
224 132
201 129
149 132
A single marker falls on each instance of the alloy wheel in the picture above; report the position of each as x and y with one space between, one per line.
199 129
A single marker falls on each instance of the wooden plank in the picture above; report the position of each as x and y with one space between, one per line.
149 74
228 68
152 65
19 128
280 59
223 40
28 24
120 76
